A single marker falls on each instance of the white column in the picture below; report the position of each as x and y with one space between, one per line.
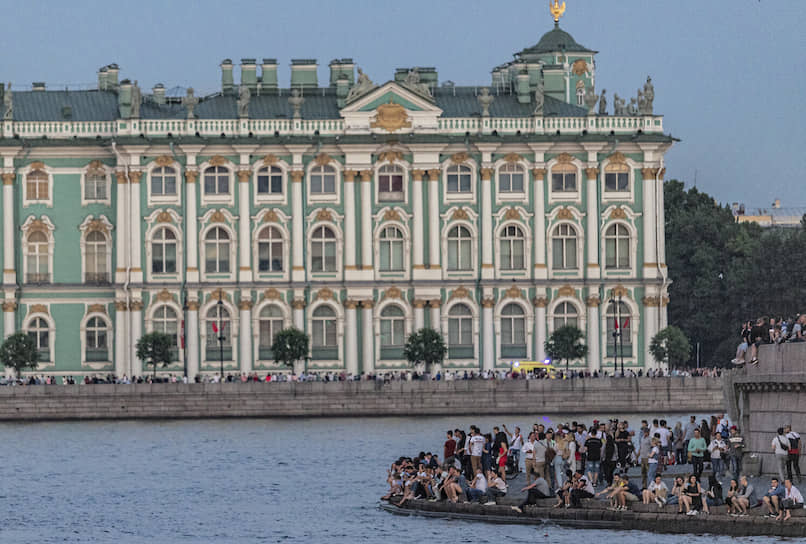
650 251
8 326
488 355
367 337
351 338
592 228
9 274
121 228
299 313
244 222
660 213
245 339
434 224
366 219
135 240
540 223
650 330
297 232
419 314
191 234
436 321
593 340
349 221
487 270
540 328
136 324
418 216
121 339
192 339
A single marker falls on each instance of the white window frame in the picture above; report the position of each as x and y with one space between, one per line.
474 313
528 320
552 313
339 239
580 242
256 319
284 254
564 196
404 172
51 336
150 244
473 248
327 197
379 318
110 341
218 276
334 363
499 238
619 196
49 172
151 320
95 168
631 254
522 196
274 198
231 364
212 199
459 196
48 231
635 327
404 242
159 200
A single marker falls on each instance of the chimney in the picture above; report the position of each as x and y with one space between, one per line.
342 90
777 203
102 76
227 82
112 77
524 92
339 68
268 75
159 93
303 74
428 75
125 98
249 74
38 85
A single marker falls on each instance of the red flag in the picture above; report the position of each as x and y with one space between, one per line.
182 338
626 323
615 321
215 327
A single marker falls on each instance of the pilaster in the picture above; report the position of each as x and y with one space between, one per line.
350 337
593 269
488 332
192 339
366 224
245 338
418 217
191 232
540 302
487 270
434 223
594 340
367 336
297 232
244 223
135 238
349 224
122 228
540 269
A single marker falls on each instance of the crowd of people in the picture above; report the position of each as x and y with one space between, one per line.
572 462
768 330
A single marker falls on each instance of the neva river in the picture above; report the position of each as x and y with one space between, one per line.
285 480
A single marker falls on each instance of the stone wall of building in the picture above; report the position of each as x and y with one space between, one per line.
767 396
603 397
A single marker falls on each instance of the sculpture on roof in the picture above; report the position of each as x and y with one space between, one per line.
134 110
243 101
619 105
362 86
412 82
603 103
296 100
649 97
590 99
540 98
8 105
190 101
485 99
632 109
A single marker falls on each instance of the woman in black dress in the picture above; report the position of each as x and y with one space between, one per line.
694 493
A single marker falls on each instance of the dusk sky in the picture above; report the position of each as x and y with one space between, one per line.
729 74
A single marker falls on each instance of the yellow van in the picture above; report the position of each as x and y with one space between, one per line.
529 366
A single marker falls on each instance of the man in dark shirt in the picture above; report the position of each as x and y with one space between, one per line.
758 334
449 449
593 449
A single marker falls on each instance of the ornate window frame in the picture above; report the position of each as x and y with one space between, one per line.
156 303
287 322
232 364
97 167
627 218
90 225
620 162
528 321
582 315
476 317
398 218
110 339
377 186
338 308
324 160
564 161
502 197
635 327
326 217
160 200
568 215
43 311
224 219
467 218
460 160
23 173
227 199
408 328
267 162
268 218
42 224
170 219
518 217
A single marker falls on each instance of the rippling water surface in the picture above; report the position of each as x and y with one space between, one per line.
285 480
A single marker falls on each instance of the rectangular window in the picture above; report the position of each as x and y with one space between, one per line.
617 182
270 184
459 183
564 183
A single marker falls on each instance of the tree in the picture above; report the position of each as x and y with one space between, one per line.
566 343
289 345
154 348
670 346
425 346
19 352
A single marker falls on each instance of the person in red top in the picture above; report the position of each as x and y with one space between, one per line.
502 460
450 449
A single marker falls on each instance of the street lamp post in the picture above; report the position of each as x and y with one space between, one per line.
621 336
221 337
615 336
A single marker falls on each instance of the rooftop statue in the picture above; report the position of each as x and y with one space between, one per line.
362 86
649 97
590 99
632 109
540 98
412 81
603 103
8 105
619 105
485 99
243 101
134 111
296 100
190 101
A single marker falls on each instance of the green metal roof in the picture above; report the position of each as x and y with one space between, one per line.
553 41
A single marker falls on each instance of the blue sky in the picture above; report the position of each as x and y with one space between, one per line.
729 74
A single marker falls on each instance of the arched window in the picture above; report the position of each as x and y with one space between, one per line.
564 247
459 178
617 178
36 186
95 266
323 250
393 332
216 180
617 247
217 251
163 251
618 321
565 314
218 329
510 178
38 258
270 250
39 331
460 332
270 322
513 331
391 249
163 181
166 322
97 342
270 180
323 180
512 248
324 340
95 185
564 178
580 96
390 183
460 244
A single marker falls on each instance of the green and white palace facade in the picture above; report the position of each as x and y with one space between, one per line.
356 211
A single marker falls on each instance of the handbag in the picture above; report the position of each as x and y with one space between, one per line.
788 503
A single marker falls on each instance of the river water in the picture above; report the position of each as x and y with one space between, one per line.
282 480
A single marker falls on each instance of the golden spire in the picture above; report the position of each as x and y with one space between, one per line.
556 10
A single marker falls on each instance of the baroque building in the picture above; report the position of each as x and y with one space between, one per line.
358 212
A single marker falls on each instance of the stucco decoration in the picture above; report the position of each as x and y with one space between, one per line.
540 302
271 217
565 213
513 213
565 158
512 158
513 292
391 215
270 159
390 156
164 296
393 292
620 291
272 294
580 67
96 309
618 213
219 294
163 160
218 160
460 214
38 309
91 224
460 292
164 217
566 291
322 159
324 215
391 117
459 158
324 294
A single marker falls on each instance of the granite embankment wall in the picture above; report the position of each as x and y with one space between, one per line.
319 399
768 396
